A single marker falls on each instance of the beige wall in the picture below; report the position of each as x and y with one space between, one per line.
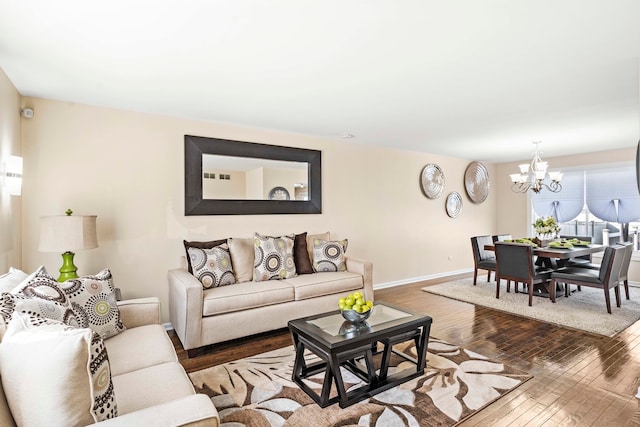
10 206
128 168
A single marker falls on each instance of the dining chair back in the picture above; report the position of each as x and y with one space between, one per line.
606 278
482 258
501 237
624 268
515 263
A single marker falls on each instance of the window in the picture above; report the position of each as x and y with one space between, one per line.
594 199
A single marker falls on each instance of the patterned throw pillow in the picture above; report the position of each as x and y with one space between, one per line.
212 266
93 300
329 255
273 258
69 365
39 296
199 245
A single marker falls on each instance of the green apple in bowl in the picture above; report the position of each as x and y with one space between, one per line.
354 307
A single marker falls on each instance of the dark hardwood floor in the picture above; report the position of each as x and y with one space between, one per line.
580 379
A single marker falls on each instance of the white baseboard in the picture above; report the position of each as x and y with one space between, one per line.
420 279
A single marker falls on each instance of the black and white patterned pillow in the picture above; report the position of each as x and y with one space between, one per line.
93 300
329 255
212 267
39 296
62 359
273 258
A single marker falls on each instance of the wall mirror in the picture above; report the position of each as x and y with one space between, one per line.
226 177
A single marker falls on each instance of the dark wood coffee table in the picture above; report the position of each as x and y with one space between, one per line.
339 343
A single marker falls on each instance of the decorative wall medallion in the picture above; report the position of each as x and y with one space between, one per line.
476 182
279 193
454 204
432 181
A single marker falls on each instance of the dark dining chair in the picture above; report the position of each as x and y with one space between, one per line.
482 258
606 278
501 237
515 263
624 268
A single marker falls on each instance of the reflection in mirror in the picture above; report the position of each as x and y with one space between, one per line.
241 178
226 177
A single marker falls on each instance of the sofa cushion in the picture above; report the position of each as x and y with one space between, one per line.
319 284
11 279
273 258
329 255
242 255
140 347
54 374
151 386
200 245
301 254
246 295
93 300
212 266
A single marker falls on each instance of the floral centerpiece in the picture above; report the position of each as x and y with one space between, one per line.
546 228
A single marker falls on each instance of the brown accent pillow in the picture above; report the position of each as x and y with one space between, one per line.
200 245
301 254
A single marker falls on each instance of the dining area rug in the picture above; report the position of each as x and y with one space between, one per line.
258 391
584 310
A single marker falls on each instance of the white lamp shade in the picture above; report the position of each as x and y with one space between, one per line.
62 233
555 176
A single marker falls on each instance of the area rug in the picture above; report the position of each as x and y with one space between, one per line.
584 310
258 391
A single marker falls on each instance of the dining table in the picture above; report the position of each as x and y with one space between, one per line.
557 257
561 254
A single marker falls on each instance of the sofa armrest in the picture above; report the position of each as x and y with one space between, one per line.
186 307
194 411
140 312
364 268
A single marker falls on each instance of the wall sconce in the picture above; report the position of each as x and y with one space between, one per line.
12 174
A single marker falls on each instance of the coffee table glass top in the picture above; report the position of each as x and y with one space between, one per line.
336 325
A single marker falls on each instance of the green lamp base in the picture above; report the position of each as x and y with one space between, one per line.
68 269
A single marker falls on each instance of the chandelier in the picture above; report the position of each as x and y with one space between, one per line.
532 176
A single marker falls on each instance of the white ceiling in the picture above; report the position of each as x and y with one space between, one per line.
471 79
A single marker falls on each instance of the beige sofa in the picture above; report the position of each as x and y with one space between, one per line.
150 386
207 316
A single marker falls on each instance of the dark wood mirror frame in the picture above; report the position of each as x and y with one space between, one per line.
194 204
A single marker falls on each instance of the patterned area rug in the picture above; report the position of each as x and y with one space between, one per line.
258 391
584 310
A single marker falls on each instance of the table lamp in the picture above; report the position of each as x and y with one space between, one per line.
65 234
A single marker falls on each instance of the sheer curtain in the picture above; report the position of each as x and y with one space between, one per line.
612 194
565 205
